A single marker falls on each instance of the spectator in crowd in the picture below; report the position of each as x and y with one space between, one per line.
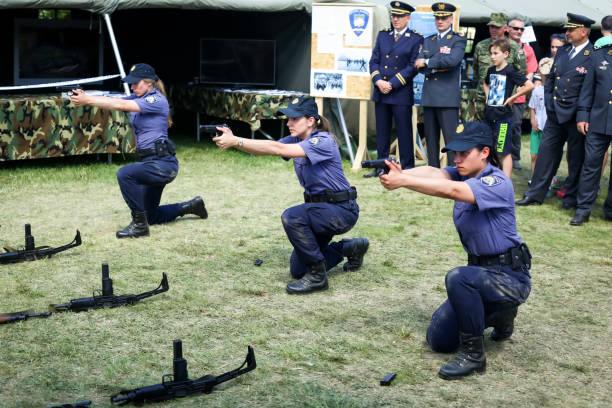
392 69
516 28
595 121
561 91
538 110
440 62
556 41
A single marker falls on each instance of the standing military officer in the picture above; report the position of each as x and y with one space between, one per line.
440 61
482 62
392 69
561 91
594 119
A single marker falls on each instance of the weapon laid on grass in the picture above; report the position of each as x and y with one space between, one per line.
31 253
82 404
377 164
106 298
180 385
22 315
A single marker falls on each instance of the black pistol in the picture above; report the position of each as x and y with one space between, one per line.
212 129
68 88
377 164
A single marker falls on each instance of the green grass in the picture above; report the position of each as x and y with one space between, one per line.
327 349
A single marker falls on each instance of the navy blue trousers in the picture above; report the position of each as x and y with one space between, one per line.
142 185
434 120
473 293
403 124
310 228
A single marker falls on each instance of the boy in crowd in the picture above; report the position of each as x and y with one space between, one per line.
498 86
538 110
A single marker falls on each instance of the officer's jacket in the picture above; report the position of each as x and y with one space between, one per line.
394 62
595 101
564 82
443 70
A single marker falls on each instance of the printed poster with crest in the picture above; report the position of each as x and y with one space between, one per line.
342 40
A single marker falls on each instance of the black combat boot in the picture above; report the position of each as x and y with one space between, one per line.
470 359
502 322
195 207
137 228
354 250
314 280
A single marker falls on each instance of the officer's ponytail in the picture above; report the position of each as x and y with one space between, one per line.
493 158
159 85
323 124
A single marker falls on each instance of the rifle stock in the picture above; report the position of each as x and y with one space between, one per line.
20 316
32 253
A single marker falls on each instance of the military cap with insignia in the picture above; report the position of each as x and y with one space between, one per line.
399 8
578 21
138 72
443 9
299 107
468 135
498 20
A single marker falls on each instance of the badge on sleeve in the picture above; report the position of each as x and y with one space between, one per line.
150 99
491 181
314 141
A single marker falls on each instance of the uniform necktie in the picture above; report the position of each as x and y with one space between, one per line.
572 53
397 36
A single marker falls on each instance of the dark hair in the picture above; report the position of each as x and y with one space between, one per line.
502 44
606 23
493 158
560 37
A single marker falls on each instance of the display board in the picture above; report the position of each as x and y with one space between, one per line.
342 37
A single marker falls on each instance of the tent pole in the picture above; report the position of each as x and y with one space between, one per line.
111 34
346 134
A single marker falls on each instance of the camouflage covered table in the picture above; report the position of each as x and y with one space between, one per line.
248 106
39 126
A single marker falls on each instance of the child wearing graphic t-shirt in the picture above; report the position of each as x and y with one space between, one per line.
498 86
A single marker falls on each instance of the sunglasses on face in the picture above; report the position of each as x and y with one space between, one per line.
517 28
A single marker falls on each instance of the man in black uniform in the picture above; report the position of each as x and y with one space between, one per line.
440 62
595 121
392 69
561 91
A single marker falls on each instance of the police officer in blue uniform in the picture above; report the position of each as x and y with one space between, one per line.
595 121
142 183
440 62
561 91
329 201
392 69
486 292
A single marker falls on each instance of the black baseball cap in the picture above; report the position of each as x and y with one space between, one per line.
468 135
300 106
138 72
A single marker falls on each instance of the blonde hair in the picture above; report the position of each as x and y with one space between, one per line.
159 85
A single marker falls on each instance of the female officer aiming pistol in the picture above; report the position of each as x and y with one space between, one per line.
330 207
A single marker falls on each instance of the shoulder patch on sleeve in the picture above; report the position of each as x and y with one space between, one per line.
151 99
314 141
491 181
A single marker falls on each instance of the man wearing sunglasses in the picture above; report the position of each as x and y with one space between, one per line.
516 28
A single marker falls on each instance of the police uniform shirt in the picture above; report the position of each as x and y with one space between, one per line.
321 169
151 123
489 226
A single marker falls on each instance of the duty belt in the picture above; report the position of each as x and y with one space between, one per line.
516 257
331 196
162 148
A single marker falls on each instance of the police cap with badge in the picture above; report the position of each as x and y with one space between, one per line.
299 107
399 8
578 21
468 135
443 9
138 72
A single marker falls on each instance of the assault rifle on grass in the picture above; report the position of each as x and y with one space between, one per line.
20 316
106 298
31 252
82 404
377 164
180 385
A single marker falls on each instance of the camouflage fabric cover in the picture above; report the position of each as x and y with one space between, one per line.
245 106
472 107
37 126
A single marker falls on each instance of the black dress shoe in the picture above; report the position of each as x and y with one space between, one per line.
528 201
566 206
579 219
374 173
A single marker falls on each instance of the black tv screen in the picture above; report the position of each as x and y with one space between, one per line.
238 62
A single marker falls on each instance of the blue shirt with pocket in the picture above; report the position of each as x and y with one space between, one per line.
151 123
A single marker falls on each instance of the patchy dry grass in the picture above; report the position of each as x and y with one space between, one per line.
323 350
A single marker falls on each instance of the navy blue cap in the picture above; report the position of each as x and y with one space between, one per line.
300 107
468 135
399 8
443 9
138 72
577 21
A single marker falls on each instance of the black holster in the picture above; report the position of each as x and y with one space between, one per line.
163 148
331 196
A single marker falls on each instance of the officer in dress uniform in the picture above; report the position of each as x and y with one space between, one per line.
488 291
440 62
329 208
392 70
142 183
595 121
561 91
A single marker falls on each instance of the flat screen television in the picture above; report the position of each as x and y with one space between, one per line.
238 62
47 51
